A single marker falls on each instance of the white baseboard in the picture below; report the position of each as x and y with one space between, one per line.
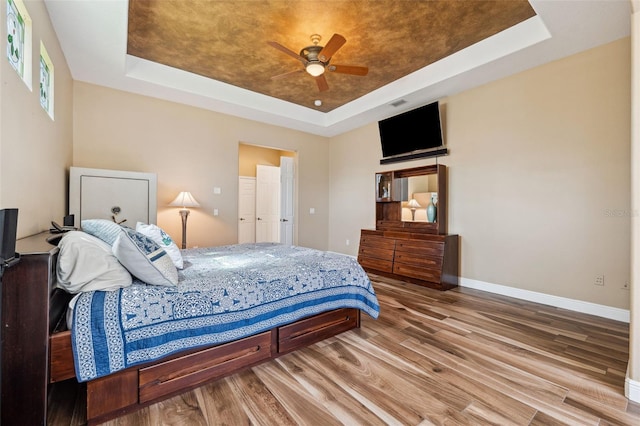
632 389
617 314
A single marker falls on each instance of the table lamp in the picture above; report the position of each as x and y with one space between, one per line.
184 200
413 205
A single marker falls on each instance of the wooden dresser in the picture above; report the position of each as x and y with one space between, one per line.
426 259
25 332
419 252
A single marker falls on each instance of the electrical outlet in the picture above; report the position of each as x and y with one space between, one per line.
347 242
599 280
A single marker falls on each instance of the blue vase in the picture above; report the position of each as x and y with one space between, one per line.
431 211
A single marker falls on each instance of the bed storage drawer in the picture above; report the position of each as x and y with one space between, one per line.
62 365
197 368
316 328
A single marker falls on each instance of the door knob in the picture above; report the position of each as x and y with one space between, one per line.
242 218
259 218
284 220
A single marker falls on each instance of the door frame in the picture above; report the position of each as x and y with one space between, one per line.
296 177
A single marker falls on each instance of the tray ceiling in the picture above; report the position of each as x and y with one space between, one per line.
227 40
214 54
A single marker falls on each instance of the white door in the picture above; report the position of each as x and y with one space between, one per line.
287 211
247 210
267 204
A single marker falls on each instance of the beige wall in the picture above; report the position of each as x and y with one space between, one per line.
35 151
251 155
539 178
196 150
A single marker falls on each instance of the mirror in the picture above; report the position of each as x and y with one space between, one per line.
418 192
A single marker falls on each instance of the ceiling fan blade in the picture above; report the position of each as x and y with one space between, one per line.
321 81
349 69
332 46
286 74
287 51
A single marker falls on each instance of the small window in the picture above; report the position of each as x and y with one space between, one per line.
46 81
19 39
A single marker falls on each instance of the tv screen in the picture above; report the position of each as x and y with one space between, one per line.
411 131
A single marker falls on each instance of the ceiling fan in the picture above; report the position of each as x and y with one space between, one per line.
315 59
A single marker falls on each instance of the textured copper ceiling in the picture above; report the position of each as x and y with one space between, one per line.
227 40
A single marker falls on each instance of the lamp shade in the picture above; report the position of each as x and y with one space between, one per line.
413 204
184 199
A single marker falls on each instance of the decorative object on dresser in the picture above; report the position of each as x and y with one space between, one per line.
184 200
412 250
413 205
432 210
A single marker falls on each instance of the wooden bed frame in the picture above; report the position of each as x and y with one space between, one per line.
128 390
37 349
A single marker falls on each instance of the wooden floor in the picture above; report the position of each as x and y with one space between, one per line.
457 357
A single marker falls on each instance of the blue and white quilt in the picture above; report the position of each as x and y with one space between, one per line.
224 293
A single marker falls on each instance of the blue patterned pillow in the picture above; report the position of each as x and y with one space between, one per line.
163 239
104 229
144 258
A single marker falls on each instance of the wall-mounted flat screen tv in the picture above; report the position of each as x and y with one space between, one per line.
412 132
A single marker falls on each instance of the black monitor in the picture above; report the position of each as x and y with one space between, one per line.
8 230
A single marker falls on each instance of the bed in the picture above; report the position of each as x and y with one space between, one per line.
227 308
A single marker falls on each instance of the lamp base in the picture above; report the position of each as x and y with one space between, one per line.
184 214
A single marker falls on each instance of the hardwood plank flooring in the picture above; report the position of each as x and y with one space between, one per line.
461 357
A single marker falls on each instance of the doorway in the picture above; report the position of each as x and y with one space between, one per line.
267 201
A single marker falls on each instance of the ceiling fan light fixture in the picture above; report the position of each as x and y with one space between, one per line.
315 68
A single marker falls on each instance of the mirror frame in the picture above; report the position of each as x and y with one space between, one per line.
389 212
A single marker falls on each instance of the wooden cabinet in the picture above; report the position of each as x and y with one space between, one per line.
426 259
420 252
25 323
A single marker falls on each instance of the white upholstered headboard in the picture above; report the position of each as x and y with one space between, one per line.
99 193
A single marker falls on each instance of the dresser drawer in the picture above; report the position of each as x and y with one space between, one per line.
376 252
426 274
197 368
377 241
432 248
374 263
418 259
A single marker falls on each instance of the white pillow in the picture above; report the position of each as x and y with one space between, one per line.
104 229
86 263
144 258
163 239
